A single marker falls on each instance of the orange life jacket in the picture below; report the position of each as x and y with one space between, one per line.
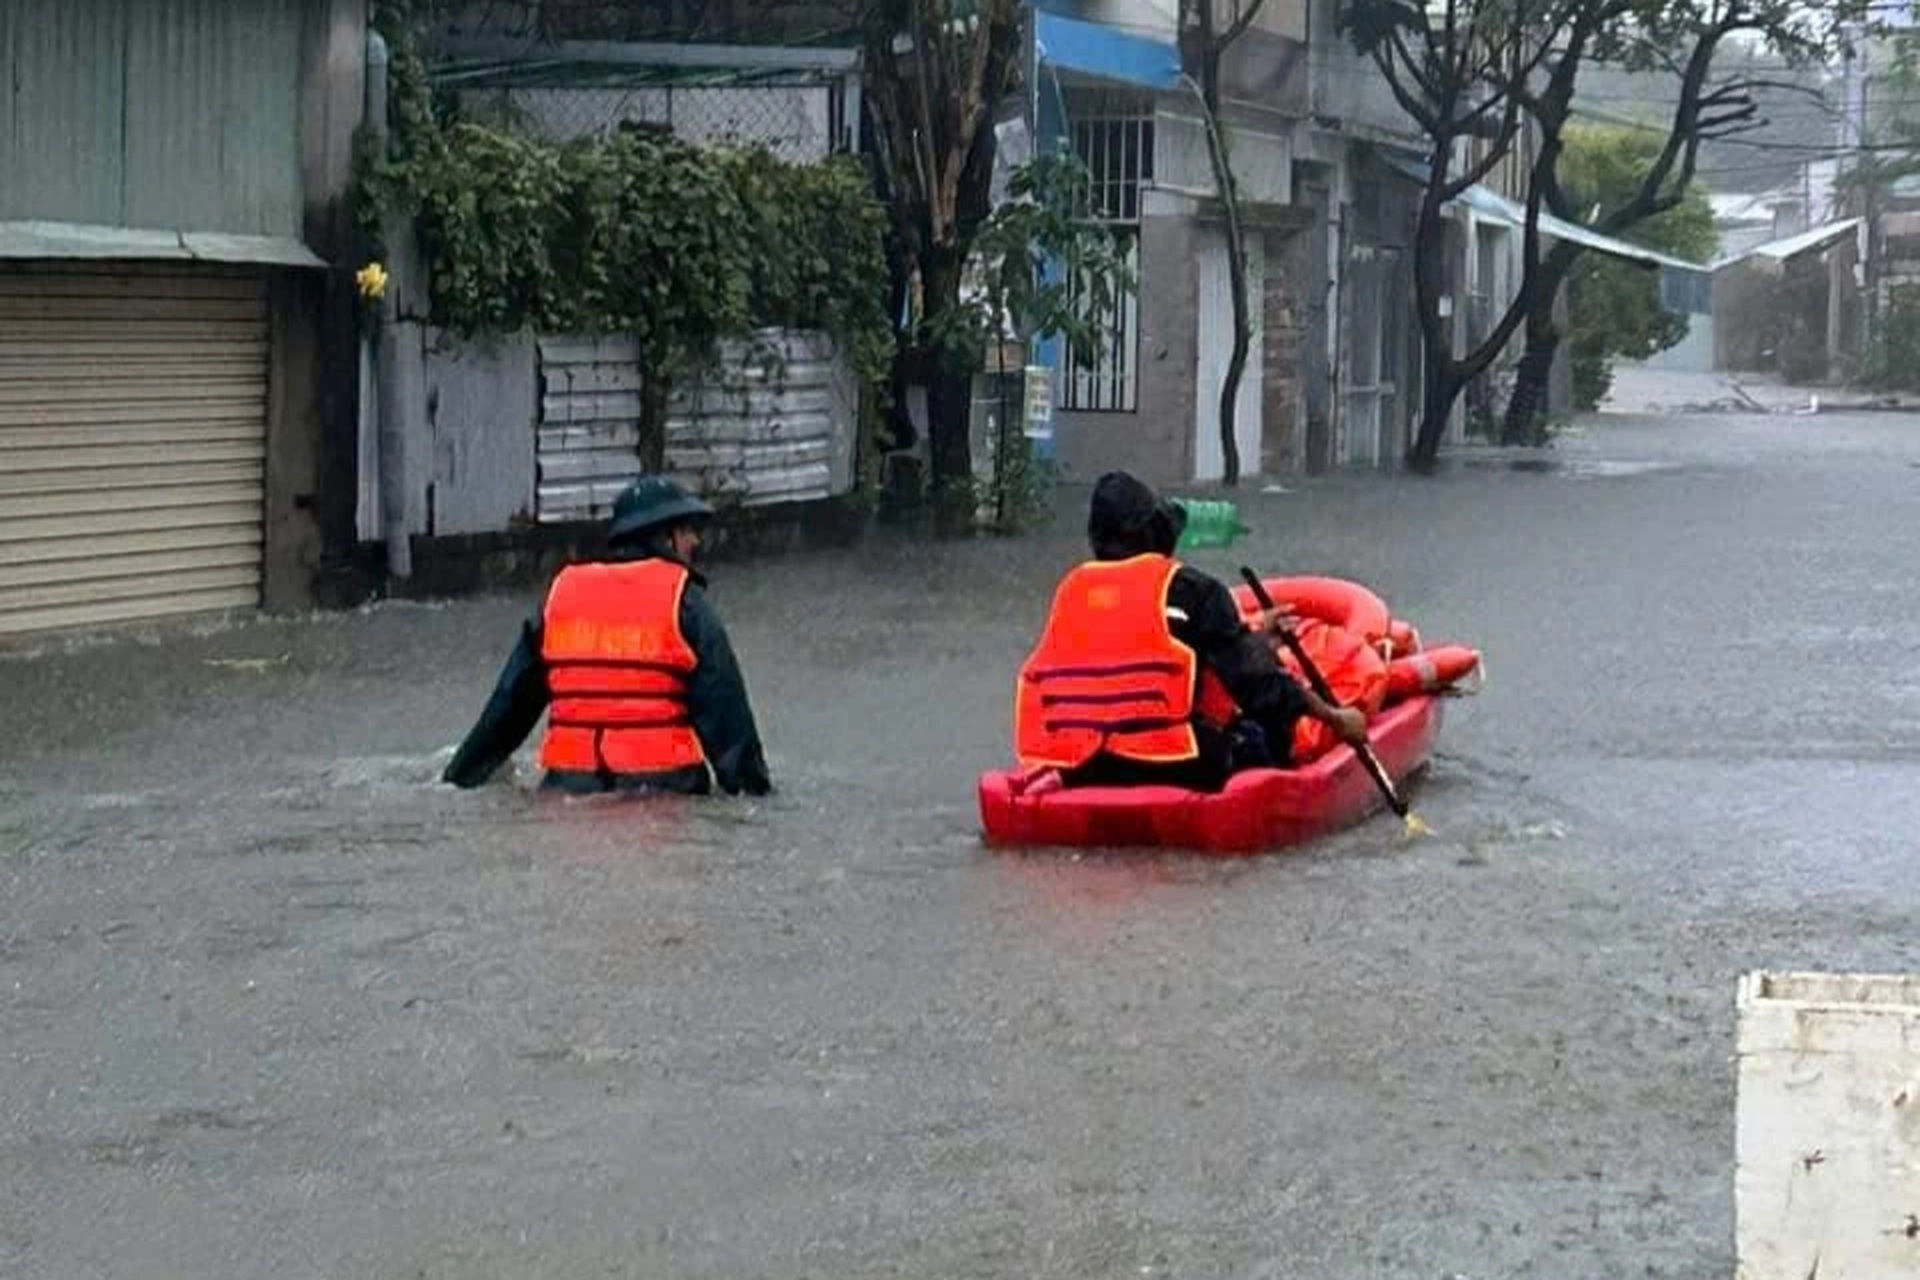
617 668
1109 676
1353 670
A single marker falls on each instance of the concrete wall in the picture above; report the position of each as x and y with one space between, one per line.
1156 441
1283 398
1182 165
1826 1175
1269 69
1348 92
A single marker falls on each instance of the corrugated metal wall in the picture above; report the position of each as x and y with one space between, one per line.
776 424
589 426
166 114
132 445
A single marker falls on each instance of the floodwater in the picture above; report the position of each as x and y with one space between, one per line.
273 1002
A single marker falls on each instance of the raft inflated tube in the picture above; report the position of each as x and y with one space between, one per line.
1335 601
1430 671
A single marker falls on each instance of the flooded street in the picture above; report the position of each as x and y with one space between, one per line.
275 1003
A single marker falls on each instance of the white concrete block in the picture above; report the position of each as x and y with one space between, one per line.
1827 1176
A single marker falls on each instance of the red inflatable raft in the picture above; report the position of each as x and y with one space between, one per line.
1259 808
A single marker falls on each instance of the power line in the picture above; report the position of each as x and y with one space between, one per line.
1826 150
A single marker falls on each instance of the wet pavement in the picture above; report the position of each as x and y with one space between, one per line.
272 1002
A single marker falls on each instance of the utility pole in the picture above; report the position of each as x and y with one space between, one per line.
1855 271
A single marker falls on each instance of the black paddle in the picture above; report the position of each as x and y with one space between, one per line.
1375 770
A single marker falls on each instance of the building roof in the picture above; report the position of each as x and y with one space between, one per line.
1750 206
1793 246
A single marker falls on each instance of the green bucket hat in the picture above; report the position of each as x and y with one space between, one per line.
650 502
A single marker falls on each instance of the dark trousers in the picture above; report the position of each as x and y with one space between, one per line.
1244 744
692 781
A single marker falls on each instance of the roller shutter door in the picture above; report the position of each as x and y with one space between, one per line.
133 435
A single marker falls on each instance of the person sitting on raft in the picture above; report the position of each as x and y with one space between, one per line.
1145 672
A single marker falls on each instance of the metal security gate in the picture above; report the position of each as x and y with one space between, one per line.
133 415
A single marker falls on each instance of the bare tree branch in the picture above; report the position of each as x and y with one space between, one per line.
1416 107
1238 27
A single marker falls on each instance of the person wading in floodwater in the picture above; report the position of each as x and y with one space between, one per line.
632 663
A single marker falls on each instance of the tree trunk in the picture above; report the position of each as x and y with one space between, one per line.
1443 388
949 403
1242 325
1525 410
949 406
1236 251
1236 367
1441 384
655 393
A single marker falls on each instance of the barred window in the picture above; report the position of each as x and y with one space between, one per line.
1113 137
1111 383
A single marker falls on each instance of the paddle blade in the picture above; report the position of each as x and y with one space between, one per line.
1415 827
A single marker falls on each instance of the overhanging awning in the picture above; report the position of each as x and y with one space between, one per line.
1492 205
1489 205
87 240
1106 53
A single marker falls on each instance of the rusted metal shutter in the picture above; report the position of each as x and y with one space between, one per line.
132 445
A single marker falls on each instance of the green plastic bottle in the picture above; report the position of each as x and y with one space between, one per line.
1209 524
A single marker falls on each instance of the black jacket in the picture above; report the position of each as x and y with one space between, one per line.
1125 519
1203 616
716 703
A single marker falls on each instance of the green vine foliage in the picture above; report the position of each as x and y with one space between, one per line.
638 233
1050 272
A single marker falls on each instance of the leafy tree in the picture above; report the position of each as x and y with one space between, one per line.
935 69
1040 225
1889 154
1475 75
1615 305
